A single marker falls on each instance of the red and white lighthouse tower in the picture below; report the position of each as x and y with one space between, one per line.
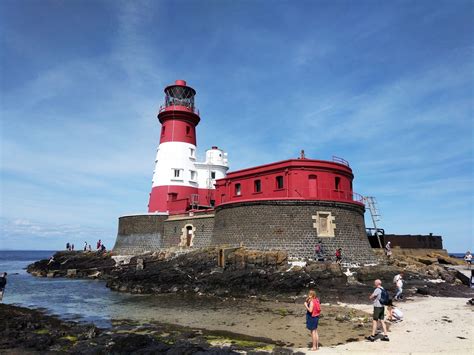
179 182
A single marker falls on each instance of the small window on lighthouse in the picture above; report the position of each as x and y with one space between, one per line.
279 182
193 175
337 183
176 173
213 174
238 190
257 184
188 129
163 129
192 152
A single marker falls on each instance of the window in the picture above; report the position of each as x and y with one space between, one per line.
191 152
213 174
193 175
279 182
238 190
351 185
324 223
257 186
337 182
163 129
188 129
176 173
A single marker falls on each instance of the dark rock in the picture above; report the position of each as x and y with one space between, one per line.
423 291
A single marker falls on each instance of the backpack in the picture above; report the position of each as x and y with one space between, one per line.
316 308
384 297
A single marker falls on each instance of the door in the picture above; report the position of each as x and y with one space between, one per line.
313 186
189 235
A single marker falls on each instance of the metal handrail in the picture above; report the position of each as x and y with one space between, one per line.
340 160
179 107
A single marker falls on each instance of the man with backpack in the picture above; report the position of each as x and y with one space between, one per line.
381 299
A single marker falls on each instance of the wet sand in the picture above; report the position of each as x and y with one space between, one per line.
280 321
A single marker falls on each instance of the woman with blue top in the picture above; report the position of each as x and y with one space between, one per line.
313 309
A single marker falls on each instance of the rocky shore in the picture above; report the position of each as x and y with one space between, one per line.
31 331
227 301
249 273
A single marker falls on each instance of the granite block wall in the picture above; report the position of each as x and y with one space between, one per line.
174 231
139 234
288 225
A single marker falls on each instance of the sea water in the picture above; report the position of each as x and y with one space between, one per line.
73 299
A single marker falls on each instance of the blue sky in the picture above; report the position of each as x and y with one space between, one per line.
386 85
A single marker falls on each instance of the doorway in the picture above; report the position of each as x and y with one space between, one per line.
189 235
313 186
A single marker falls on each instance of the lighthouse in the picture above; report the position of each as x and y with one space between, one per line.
181 183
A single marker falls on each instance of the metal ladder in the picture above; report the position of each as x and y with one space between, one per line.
371 204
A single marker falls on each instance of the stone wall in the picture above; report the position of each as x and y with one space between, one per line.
175 231
139 234
290 226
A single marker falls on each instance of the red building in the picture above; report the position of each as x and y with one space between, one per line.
293 179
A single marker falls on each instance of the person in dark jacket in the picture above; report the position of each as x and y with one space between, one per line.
3 283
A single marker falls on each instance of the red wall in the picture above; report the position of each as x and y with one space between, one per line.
178 124
302 179
182 200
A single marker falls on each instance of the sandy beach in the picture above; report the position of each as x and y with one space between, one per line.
432 325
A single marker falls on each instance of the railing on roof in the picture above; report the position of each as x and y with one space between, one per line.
179 108
340 160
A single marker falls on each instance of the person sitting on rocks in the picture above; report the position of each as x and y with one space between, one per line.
339 255
3 283
394 313
51 260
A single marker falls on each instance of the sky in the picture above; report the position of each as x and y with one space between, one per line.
388 86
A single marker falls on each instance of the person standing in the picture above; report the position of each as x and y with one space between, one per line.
99 245
313 310
319 251
380 299
398 281
3 283
388 249
468 259
85 246
338 255
68 246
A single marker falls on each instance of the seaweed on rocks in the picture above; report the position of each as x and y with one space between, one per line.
27 330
